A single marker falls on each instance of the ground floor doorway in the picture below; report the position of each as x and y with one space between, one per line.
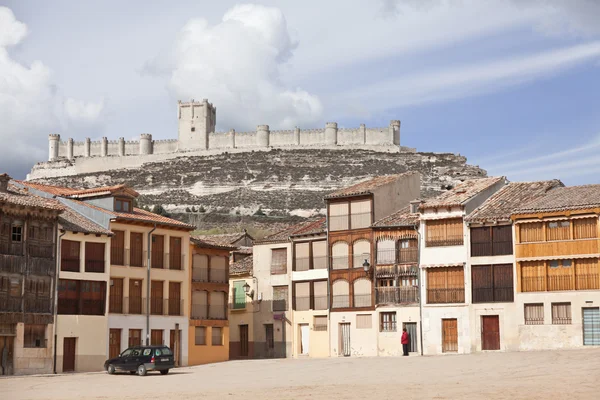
345 339
304 339
7 349
449 335
411 329
490 332
591 326
69 345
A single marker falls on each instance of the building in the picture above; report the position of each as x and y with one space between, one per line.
148 258
396 268
557 246
81 328
445 272
240 242
209 293
28 229
310 305
350 215
495 317
243 304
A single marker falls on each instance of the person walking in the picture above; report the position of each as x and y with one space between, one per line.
405 340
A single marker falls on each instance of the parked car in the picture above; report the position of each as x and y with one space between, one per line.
141 359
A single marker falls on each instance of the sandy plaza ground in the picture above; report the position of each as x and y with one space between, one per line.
573 374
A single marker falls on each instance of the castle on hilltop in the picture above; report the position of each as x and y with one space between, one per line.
196 132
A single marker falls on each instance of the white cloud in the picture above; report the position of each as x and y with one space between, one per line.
237 64
31 107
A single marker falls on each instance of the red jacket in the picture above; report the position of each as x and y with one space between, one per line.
405 338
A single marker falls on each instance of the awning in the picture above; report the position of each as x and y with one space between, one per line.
443 265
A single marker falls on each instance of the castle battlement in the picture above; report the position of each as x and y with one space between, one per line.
196 132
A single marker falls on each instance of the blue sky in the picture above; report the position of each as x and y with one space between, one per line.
512 85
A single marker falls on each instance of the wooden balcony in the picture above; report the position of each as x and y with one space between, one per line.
397 295
557 248
445 296
392 271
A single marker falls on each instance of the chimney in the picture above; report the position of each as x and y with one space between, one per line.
4 178
414 206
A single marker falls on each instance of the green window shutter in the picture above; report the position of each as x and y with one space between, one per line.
239 296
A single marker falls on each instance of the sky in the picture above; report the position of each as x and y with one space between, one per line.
513 85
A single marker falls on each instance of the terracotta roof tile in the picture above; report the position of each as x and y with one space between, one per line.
402 217
316 227
297 229
366 187
461 193
207 242
564 199
80 193
20 197
242 267
72 221
224 239
501 204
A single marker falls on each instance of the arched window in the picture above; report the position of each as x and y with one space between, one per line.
199 268
361 251
386 252
217 305
362 293
199 304
339 255
341 294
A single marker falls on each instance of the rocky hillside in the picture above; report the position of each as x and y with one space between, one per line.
230 190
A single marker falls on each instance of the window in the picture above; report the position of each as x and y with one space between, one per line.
341 294
158 251
561 313
35 336
361 251
339 255
531 232
136 245
586 274
302 296
280 298
117 248
387 322
364 321
447 232
81 297
445 285
37 295
218 269
491 241
302 256
319 254
217 336
320 323
239 295
156 337
200 335
135 337
534 314
558 230
408 251
218 305
386 252
541 276
320 295
362 293
123 205
338 216
360 214
278 261
585 228
492 283
175 256
69 256
17 233
199 304
94 257
200 268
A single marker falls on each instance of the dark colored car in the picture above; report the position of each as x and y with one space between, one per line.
141 359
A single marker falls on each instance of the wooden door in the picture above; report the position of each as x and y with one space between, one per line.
7 349
69 354
175 298
156 297
114 343
490 332
175 344
158 251
175 257
135 296
449 335
411 329
270 340
156 337
117 248
345 340
244 341
136 251
116 296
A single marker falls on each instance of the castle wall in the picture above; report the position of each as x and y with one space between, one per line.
312 137
351 136
282 138
244 139
220 140
163 146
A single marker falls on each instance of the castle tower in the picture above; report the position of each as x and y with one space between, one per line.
145 144
53 145
262 135
331 129
394 131
196 120
70 149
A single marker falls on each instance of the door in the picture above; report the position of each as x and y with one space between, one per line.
175 298
449 335
345 339
175 256
243 340
156 297
591 326
115 304
7 354
136 253
304 339
411 328
114 343
490 332
135 296
158 251
174 344
270 341
69 354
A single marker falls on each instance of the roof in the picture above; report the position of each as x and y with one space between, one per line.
206 242
139 215
19 197
366 187
314 228
242 267
501 204
81 193
461 193
72 221
224 239
564 199
303 228
402 217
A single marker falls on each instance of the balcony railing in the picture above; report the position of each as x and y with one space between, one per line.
391 271
11 304
360 220
560 282
280 305
217 312
199 311
587 281
175 261
385 257
42 266
321 302
94 266
302 303
278 268
441 296
339 262
117 256
319 262
362 300
174 307
199 274
493 295
11 248
408 255
340 301
359 259
217 275
80 307
116 305
12 264
156 305
302 263
41 250
69 264
134 305
338 222
42 305
203 311
397 295
434 242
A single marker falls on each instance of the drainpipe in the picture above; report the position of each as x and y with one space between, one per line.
148 287
56 295
328 259
420 297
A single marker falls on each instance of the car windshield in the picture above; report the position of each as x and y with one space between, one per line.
165 351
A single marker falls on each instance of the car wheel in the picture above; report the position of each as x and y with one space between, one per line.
141 370
111 369
164 372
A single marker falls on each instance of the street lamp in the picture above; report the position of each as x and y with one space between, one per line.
249 293
366 266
